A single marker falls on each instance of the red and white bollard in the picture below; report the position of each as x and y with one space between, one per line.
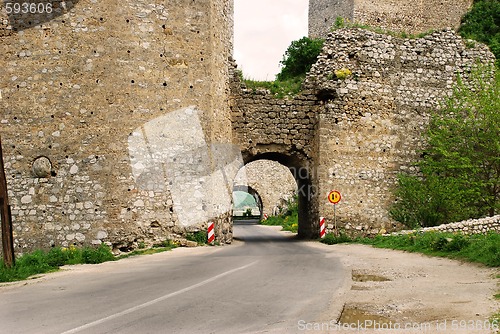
211 232
265 216
322 227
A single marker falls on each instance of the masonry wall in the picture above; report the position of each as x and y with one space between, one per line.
411 16
467 227
265 124
371 121
283 130
111 93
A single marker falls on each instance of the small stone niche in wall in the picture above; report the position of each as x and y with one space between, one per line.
42 167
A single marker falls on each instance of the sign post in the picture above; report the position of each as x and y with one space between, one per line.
334 197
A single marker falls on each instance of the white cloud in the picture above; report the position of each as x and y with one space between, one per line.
263 30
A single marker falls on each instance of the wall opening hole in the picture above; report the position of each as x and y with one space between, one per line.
42 167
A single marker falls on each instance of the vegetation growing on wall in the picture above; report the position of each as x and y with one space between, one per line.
482 23
299 57
461 166
296 62
278 89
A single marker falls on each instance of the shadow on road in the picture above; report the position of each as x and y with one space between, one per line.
245 230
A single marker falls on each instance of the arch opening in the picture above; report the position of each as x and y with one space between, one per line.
246 200
301 172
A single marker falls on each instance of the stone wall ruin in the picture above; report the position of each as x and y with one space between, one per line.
93 99
363 108
411 16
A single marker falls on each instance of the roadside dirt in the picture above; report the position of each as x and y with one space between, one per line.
400 292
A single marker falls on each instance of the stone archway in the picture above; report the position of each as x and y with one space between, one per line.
308 226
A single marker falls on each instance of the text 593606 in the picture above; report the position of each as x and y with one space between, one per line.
18 8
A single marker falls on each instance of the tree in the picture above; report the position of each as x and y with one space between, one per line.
461 165
299 57
482 23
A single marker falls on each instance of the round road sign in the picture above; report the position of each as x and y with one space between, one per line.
334 197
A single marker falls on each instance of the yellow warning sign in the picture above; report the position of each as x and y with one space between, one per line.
334 197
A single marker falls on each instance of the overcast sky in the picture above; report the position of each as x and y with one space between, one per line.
263 29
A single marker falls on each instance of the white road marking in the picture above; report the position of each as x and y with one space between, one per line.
157 300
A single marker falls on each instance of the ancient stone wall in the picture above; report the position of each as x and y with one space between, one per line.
323 13
117 95
264 124
378 91
358 122
411 16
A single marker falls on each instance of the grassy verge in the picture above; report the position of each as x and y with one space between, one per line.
288 220
40 262
480 248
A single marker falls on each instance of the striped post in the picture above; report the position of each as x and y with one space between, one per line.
322 229
265 216
211 232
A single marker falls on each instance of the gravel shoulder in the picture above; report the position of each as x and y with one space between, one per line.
402 292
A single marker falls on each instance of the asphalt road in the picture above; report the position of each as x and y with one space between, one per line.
265 282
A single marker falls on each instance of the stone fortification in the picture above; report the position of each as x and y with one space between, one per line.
358 122
411 16
115 124
282 130
377 93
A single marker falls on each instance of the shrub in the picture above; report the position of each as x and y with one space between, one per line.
93 256
200 237
343 73
461 162
299 58
482 23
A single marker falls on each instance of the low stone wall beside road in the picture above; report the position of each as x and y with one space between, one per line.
470 226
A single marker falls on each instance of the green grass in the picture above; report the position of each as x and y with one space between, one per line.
479 248
41 262
199 237
278 88
288 220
